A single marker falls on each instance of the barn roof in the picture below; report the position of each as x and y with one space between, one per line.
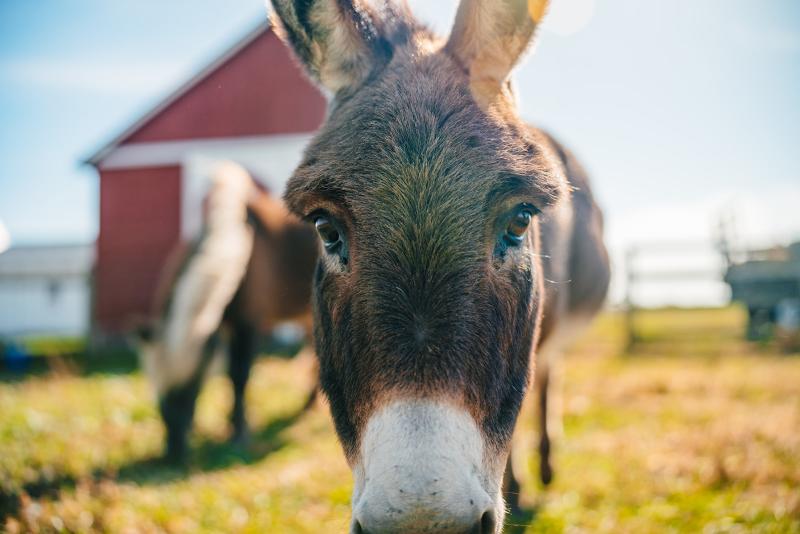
232 63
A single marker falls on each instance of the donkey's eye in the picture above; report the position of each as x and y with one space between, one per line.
327 232
518 225
333 239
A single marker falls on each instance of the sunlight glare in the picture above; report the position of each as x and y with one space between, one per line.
568 17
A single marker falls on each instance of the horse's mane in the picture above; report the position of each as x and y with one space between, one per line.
200 279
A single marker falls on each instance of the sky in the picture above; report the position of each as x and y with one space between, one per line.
683 111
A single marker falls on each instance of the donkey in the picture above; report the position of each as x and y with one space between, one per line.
250 269
443 219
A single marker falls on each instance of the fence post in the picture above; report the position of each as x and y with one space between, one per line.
630 309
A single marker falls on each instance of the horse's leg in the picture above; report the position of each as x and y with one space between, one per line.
242 351
177 405
311 399
308 360
177 411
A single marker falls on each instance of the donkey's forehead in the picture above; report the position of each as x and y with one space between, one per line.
418 124
418 109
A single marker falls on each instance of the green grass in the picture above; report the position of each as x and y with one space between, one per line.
694 430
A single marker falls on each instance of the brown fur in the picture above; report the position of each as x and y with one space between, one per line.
420 165
277 285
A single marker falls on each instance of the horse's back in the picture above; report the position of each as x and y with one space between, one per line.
277 286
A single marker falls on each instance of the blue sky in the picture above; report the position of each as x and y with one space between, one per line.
681 110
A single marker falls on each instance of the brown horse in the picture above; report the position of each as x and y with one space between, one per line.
250 269
456 241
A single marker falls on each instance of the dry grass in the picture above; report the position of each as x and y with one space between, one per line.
695 431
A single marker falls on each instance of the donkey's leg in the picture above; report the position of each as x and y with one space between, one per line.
242 351
548 404
177 405
542 390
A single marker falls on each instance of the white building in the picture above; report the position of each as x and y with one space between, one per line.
45 290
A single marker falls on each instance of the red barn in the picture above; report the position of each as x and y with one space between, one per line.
252 105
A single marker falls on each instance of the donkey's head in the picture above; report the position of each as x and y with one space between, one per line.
424 187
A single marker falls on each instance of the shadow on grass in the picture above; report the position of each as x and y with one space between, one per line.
43 487
208 456
211 455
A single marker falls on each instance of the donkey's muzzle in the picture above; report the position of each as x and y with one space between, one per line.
487 524
422 469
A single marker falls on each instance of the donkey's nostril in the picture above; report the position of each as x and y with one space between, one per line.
488 524
356 528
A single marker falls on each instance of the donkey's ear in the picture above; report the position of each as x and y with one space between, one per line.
340 41
490 37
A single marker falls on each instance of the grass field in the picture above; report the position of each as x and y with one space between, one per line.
693 430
